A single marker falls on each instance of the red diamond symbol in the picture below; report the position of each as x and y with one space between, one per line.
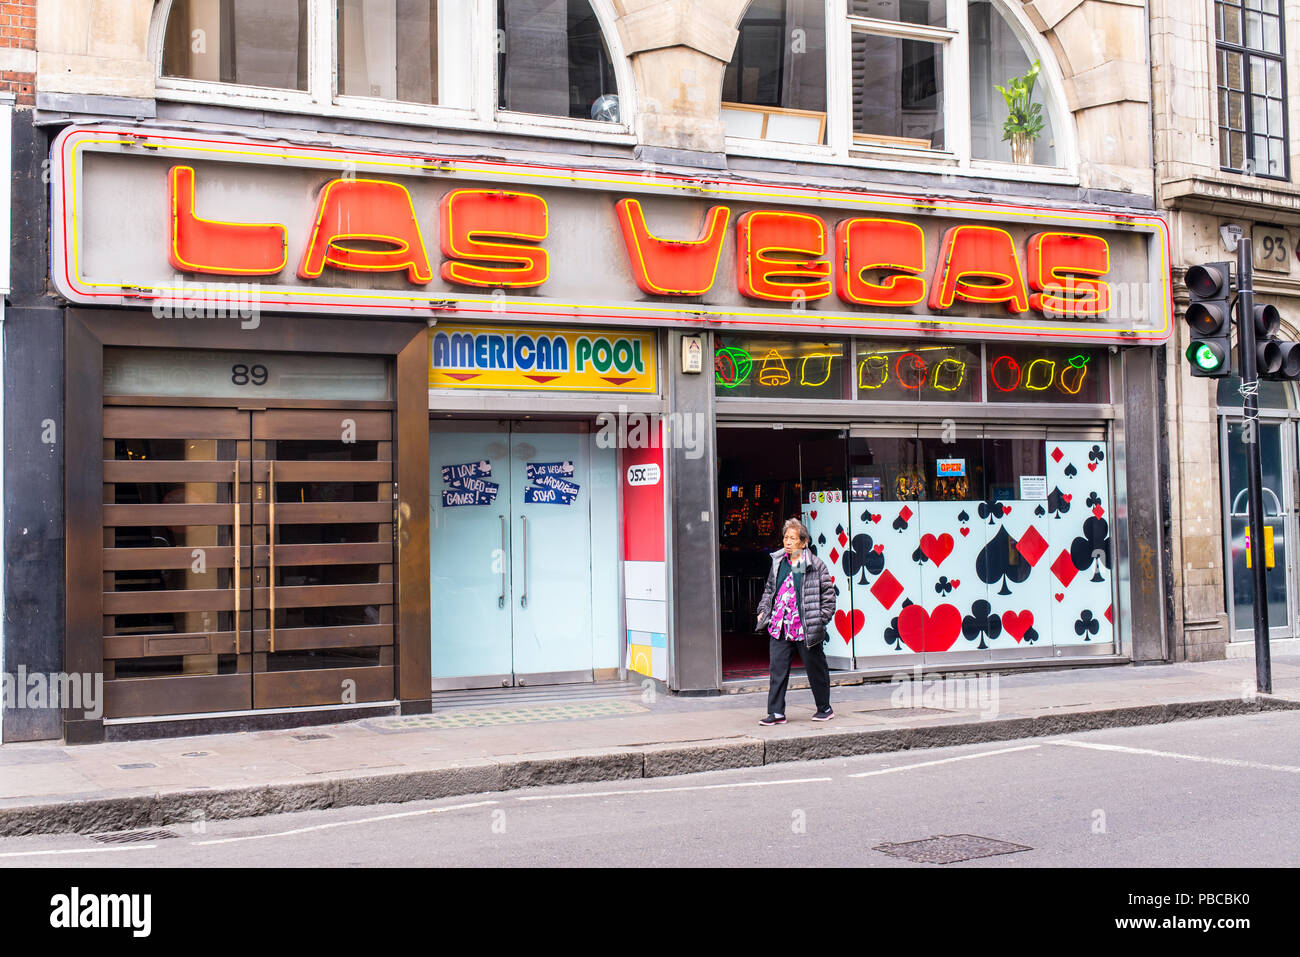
1057 454
886 589
1063 568
905 514
1108 617
843 539
835 555
1031 545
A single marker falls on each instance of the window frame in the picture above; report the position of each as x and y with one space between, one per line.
955 158
1246 52
322 97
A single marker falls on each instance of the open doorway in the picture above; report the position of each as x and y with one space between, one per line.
765 476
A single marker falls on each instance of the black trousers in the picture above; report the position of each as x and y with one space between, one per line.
814 661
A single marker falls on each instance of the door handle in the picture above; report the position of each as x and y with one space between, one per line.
501 599
238 584
523 599
270 538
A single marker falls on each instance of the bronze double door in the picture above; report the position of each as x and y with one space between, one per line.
247 559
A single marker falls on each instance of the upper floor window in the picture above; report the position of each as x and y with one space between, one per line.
529 58
1252 87
956 80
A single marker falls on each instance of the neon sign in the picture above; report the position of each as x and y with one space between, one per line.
1009 375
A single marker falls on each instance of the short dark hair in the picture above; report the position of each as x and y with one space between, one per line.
796 524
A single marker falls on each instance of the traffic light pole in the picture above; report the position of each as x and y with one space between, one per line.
1254 466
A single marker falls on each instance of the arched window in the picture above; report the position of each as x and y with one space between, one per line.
250 42
959 80
552 60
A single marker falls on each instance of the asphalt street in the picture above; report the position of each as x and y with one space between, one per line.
1216 792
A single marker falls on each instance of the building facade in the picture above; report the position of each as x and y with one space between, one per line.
1224 165
395 348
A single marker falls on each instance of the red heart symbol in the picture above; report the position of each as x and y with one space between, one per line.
879 549
1006 509
936 549
1098 511
850 625
813 515
1017 625
1066 497
1060 596
1092 466
965 532
875 519
921 631
956 583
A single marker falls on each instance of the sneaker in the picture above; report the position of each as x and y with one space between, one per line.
824 715
772 719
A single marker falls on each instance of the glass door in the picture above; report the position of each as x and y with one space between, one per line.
824 510
1277 505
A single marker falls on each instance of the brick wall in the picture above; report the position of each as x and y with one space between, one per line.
18 49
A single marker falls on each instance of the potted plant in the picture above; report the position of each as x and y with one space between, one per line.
1024 119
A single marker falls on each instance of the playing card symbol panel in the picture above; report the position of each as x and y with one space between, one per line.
1080 547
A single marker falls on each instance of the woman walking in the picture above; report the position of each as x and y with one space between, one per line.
798 602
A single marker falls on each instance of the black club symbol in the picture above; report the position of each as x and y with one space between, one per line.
1087 626
892 638
943 586
981 623
1095 454
991 510
863 557
1093 500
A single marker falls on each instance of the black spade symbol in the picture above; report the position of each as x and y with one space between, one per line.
865 516
1071 471
918 556
900 523
1040 511
981 622
1087 626
821 539
999 561
1095 454
962 516
837 591
839 529
1093 500
1057 504
1031 636
991 510
1092 546
862 556
906 602
943 586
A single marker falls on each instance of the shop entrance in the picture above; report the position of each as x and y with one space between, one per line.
511 552
947 543
247 557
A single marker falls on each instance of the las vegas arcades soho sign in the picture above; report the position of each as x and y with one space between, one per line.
143 215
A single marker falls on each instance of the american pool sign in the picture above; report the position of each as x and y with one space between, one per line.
555 360
144 213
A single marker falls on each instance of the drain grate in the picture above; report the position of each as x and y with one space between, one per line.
310 737
131 837
902 712
950 849
136 767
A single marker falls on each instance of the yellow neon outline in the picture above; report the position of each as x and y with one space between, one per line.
942 297
180 262
863 365
844 289
447 241
803 368
960 378
708 229
410 267
1092 307
1024 375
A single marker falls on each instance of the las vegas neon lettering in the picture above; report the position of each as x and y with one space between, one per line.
493 239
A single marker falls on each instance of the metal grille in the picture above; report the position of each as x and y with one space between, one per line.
902 712
131 837
310 737
950 849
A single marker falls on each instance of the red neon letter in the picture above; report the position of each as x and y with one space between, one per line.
207 245
469 215
672 267
865 244
761 276
1054 261
982 251
367 210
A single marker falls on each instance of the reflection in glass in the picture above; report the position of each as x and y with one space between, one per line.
552 60
897 92
996 56
894 371
1274 492
779 62
1018 373
251 42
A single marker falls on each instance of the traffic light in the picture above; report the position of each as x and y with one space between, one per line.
1276 358
1209 318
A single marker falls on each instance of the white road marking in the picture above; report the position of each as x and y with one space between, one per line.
80 850
1227 762
692 787
928 764
322 827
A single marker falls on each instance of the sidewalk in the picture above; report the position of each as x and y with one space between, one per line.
503 740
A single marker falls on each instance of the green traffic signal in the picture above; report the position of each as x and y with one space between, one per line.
1207 356
1209 319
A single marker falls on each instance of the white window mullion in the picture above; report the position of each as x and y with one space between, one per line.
839 72
484 96
956 84
321 55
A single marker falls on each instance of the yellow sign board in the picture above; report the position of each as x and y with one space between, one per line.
1270 557
540 358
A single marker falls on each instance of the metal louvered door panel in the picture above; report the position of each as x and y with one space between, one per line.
324 599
